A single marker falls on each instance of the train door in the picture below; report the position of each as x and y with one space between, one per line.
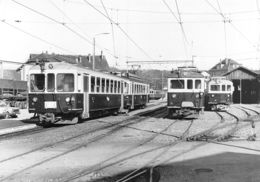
121 91
133 95
86 95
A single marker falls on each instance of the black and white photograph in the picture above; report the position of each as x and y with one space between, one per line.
130 90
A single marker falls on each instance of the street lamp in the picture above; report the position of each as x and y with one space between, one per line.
94 45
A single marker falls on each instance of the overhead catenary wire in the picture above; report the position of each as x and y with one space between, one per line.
112 28
225 28
185 41
230 22
182 29
166 12
73 23
122 30
60 23
36 37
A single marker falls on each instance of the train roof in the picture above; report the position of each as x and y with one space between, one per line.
220 81
186 74
68 66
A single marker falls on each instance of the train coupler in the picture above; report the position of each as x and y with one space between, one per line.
47 119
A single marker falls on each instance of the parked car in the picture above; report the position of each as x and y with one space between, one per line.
6 111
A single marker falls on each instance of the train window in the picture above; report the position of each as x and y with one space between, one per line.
177 84
228 87
107 85
111 86
65 82
103 85
127 88
223 87
92 84
86 84
115 87
189 84
119 86
215 87
37 82
50 82
197 84
98 85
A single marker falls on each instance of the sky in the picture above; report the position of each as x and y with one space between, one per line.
134 30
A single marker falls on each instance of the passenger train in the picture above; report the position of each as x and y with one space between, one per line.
185 97
218 94
156 94
189 93
62 91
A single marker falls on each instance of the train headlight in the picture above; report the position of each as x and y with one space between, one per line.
173 95
212 95
228 95
72 99
201 93
197 96
67 99
35 99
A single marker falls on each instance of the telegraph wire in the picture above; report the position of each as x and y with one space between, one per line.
36 37
124 32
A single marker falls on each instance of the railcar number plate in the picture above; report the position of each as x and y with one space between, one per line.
50 104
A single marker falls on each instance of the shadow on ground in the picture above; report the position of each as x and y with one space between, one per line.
224 167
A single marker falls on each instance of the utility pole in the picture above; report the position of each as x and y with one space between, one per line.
94 45
1 70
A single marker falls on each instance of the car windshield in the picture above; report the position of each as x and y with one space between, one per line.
65 82
37 82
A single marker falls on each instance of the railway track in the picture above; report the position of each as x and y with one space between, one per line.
117 126
100 166
112 128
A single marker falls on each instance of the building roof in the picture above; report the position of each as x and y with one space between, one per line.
81 60
223 67
241 73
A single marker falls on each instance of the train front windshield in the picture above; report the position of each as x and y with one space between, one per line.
64 82
37 82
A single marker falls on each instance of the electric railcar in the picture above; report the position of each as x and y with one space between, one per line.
219 94
155 94
61 91
185 97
